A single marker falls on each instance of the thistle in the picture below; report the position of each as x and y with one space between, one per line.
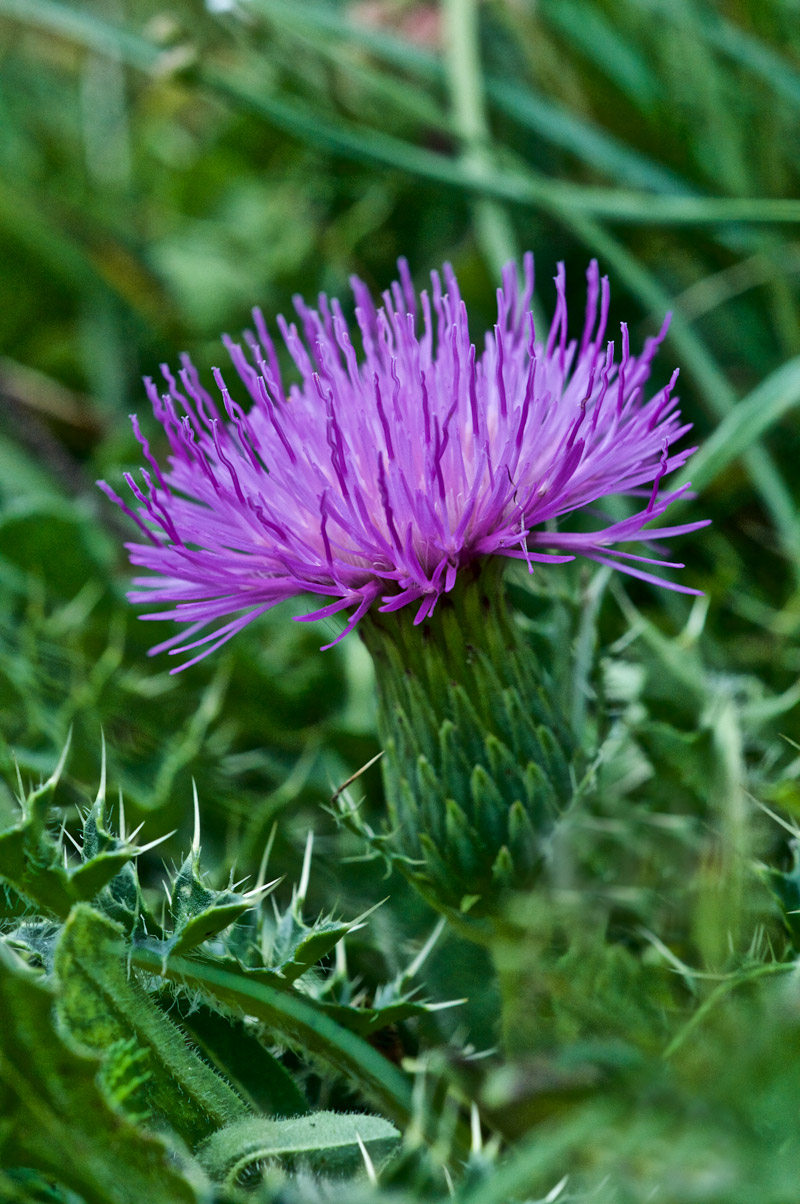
391 483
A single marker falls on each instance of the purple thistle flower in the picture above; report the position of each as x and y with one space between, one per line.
378 477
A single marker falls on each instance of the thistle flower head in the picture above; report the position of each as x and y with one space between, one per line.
383 470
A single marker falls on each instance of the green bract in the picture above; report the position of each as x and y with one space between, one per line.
479 760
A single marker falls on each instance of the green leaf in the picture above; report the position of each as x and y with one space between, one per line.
740 45
100 1003
54 1116
28 855
325 1142
587 27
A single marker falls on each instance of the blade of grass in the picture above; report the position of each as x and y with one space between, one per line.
541 115
526 188
742 47
718 392
550 121
493 228
547 119
719 993
587 27
392 92
580 136
744 425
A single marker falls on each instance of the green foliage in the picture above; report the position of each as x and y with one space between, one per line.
55 1116
250 984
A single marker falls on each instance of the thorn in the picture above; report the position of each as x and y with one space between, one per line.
671 958
480 1054
475 1128
101 790
260 892
168 893
121 817
446 1003
135 833
145 848
359 920
196 835
422 956
449 1181
72 840
59 769
302 888
556 1191
21 797
53 780
262 869
790 827
341 959
355 775
368 1163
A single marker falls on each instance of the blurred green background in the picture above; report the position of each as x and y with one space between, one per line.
165 166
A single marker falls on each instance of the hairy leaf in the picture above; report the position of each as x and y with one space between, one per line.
55 1117
100 1003
327 1142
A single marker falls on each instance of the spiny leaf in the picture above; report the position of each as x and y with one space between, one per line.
313 944
199 912
33 863
29 856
